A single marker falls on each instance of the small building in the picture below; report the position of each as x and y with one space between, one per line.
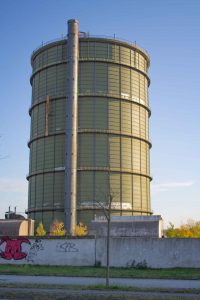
16 227
134 226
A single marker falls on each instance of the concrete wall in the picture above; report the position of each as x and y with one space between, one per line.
152 252
124 252
76 252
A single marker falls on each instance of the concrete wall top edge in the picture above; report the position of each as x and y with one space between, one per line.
65 238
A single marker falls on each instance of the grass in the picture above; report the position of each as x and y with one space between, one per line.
99 287
175 273
56 292
44 296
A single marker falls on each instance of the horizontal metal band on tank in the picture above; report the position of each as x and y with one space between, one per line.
98 131
42 209
84 95
100 39
111 96
115 170
43 100
47 45
47 66
45 172
99 169
115 63
112 132
44 136
89 60
115 210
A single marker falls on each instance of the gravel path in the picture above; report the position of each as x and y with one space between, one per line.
72 294
139 283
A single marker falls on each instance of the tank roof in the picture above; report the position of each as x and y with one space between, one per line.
86 37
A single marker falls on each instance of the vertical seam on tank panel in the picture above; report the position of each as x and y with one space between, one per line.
33 90
120 133
149 193
94 134
78 140
135 87
56 85
108 118
54 174
140 145
54 118
131 139
107 136
36 151
35 191
46 70
43 178
146 154
108 143
130 90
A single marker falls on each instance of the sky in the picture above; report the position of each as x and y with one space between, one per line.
169 30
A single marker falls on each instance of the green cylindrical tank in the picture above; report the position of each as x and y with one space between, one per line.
113 134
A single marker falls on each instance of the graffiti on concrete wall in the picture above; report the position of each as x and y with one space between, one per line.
67 247
16 250
137 265
13 248
36 246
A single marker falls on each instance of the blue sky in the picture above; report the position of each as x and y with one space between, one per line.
169 31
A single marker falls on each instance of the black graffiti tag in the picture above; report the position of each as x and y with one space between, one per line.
35 248
67 247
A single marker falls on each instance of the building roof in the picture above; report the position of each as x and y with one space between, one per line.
10 227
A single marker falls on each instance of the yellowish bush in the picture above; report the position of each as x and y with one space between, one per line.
189 230
57 229
81 229
40 231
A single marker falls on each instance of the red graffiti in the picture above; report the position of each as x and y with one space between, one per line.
13 249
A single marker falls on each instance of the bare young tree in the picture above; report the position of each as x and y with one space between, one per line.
107 213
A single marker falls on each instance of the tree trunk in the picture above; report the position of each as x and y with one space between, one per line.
108 254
